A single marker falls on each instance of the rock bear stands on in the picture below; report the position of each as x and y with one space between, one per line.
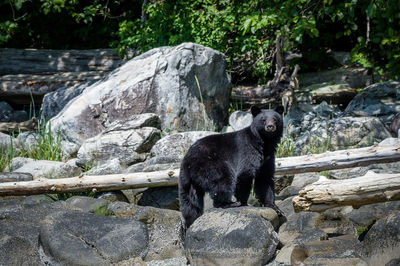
228 164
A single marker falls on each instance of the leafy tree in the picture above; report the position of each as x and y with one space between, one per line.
244 30
62 24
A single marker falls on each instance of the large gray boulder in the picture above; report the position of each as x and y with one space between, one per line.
161 81
164 228
78 238
19 230
230 237
342 133
382 242
380 100
54 102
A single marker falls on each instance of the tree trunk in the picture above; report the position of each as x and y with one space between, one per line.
371 188
289 165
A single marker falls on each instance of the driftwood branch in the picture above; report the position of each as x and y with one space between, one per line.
371 188
90 183
339 159
289 165
16 127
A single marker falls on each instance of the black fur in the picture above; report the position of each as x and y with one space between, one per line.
227 164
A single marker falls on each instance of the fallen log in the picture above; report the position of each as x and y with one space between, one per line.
385 152
11 127
24 88
35 61
290 165
367 189
90 183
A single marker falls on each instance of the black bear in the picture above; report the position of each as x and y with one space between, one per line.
227 164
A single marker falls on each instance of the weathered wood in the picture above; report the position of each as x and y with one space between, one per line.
34 61
371 188
356 77
90 183
11 127
21 88
31 73
289 165
381 153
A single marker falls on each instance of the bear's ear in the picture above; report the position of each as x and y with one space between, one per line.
279 109
255 110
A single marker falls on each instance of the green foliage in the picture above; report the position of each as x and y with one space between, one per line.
235 106
102 210
244 30
380 48
48 145
316 146
361 230
325 173
62 24
7 155
286 147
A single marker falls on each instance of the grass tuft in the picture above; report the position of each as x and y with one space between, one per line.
286 147
47 147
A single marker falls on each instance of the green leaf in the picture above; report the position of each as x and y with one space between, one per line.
376 40
371 10
314 32
246 25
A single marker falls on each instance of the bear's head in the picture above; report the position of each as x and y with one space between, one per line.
268 123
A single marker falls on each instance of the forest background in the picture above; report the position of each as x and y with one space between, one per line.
244 30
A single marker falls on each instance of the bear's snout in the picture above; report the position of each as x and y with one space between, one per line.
270 127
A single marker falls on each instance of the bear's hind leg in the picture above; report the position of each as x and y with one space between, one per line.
192 205
221 195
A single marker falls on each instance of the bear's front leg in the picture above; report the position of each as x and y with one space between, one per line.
243 188
264 188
